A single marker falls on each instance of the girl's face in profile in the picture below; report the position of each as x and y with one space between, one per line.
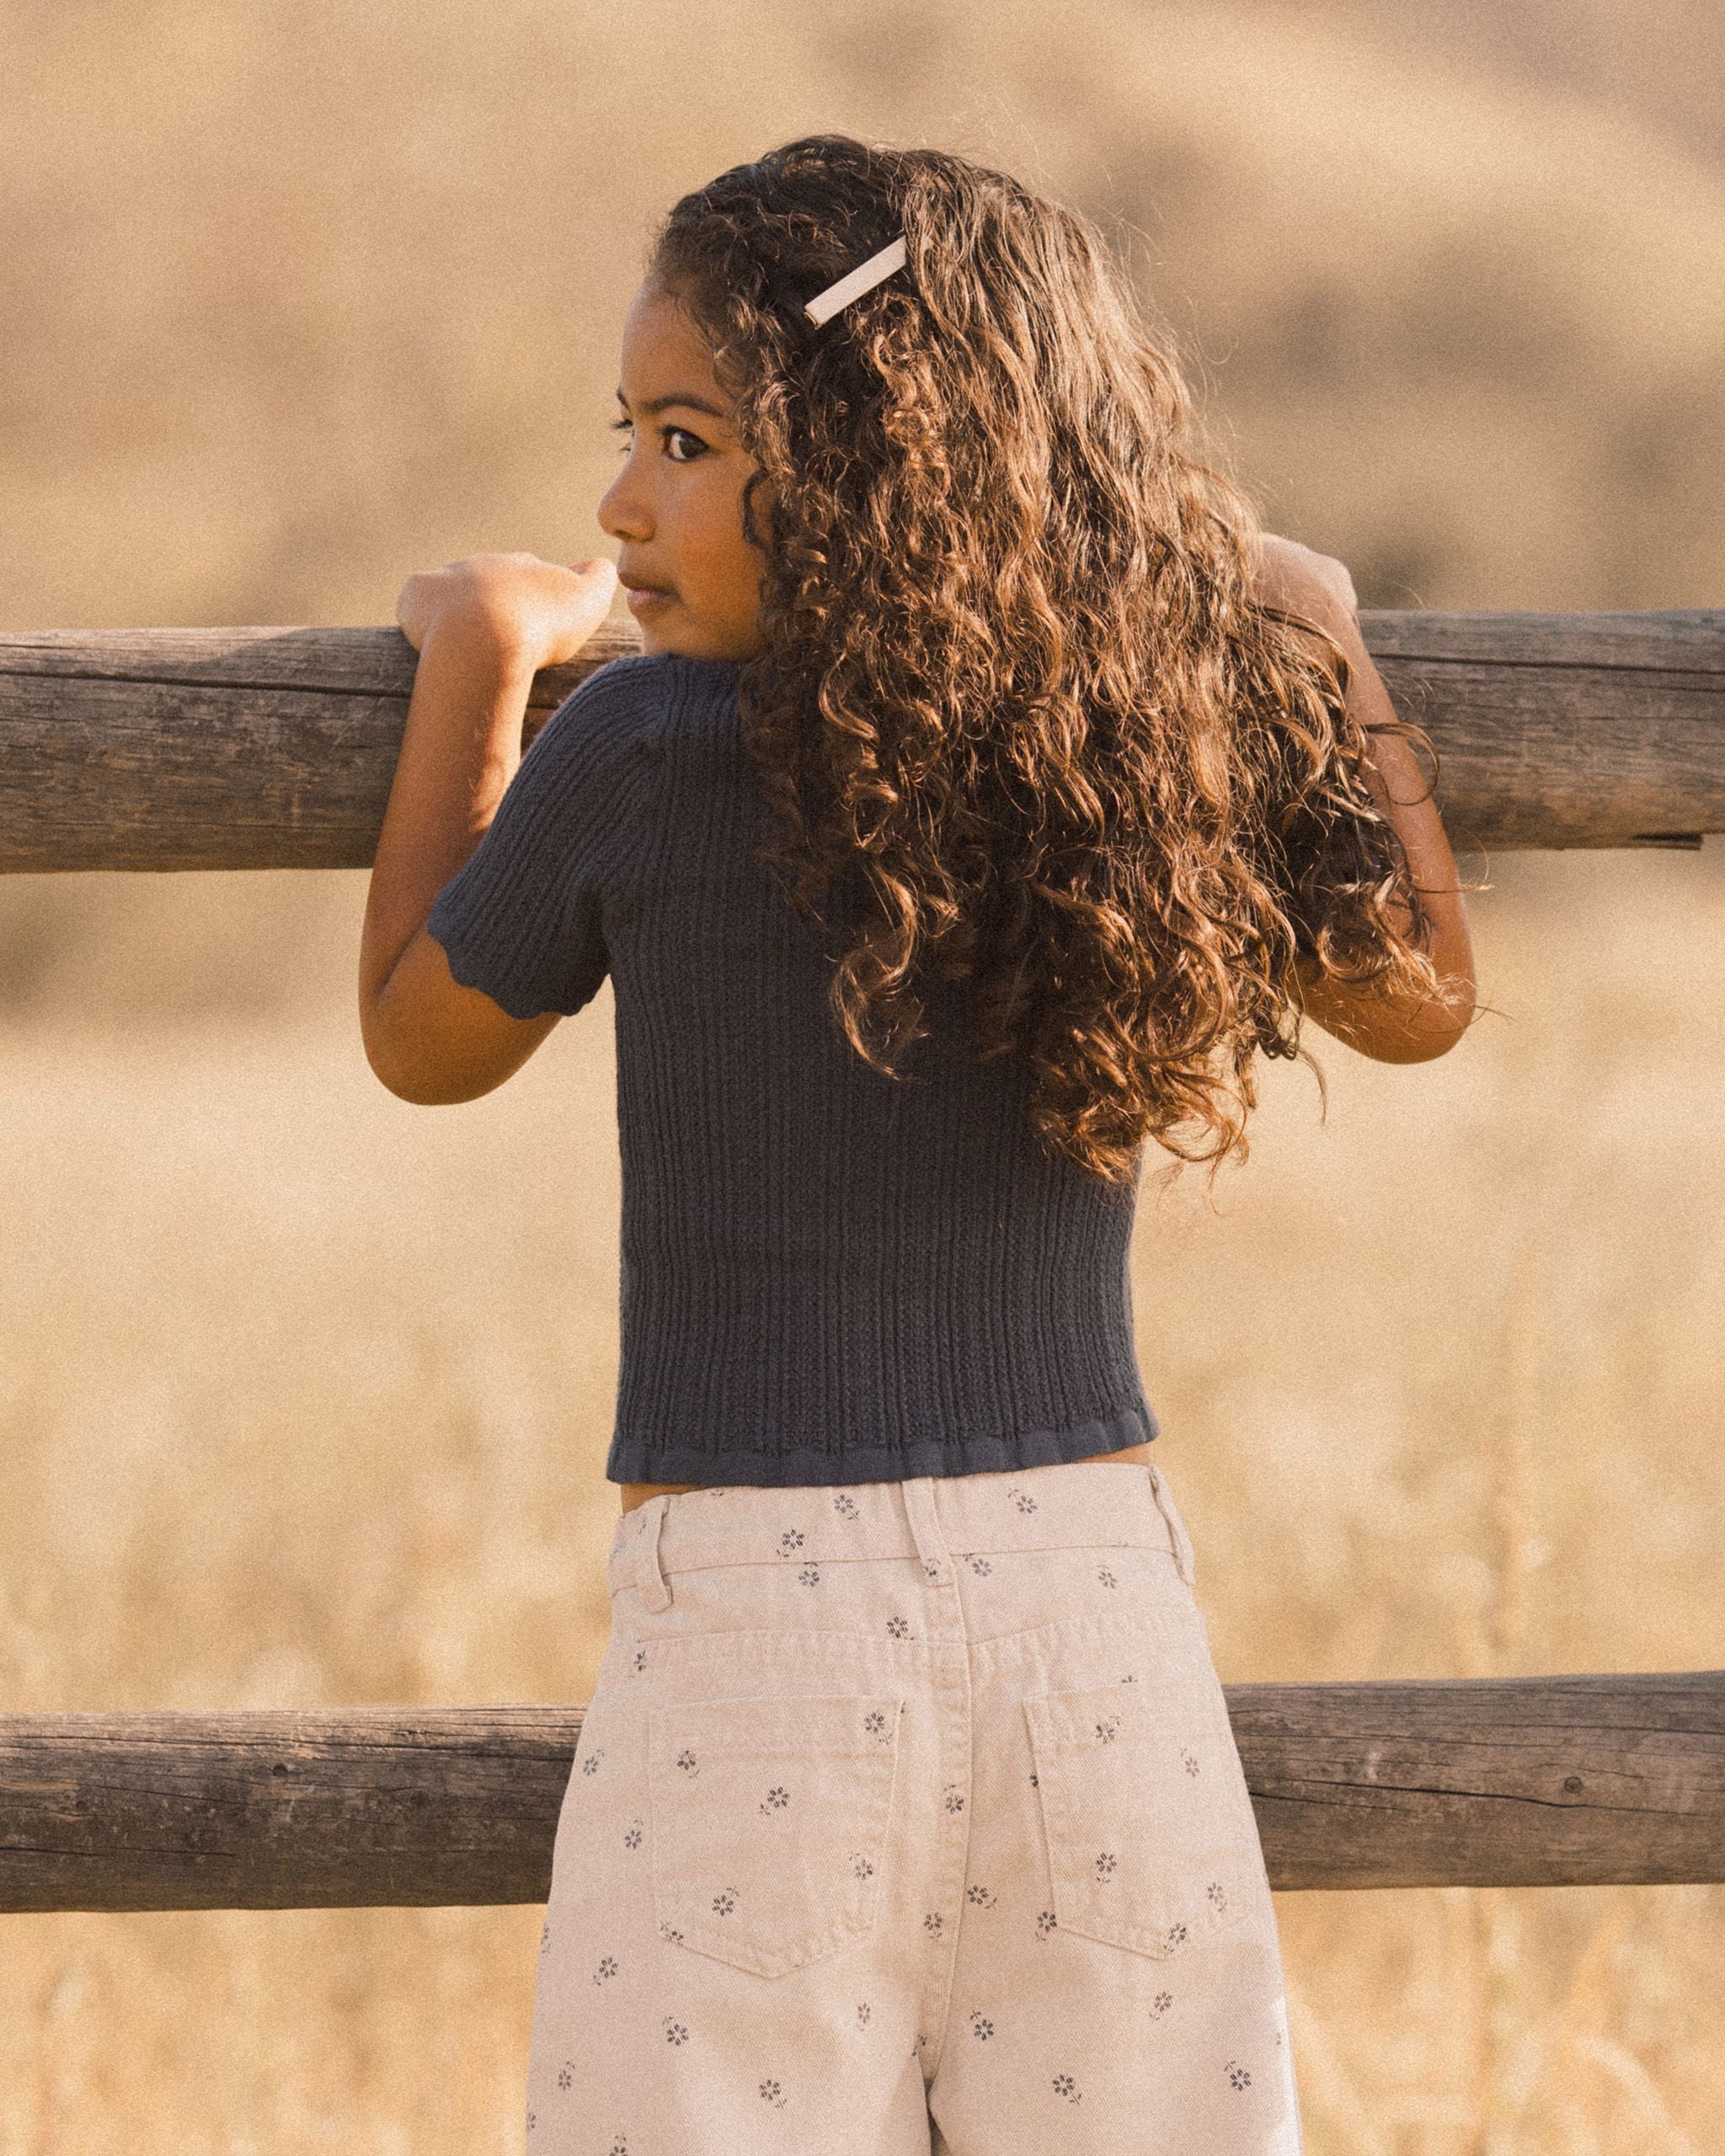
676 507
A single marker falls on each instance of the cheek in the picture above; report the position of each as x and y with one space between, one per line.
730 566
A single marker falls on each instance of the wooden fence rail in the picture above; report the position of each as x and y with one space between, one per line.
265 748
1506 1781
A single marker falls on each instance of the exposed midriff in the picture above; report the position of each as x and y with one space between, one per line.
637 1493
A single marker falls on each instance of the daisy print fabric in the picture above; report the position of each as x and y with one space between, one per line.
906 1819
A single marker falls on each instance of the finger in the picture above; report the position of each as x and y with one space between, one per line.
596 586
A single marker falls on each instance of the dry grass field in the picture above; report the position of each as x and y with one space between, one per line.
305 1393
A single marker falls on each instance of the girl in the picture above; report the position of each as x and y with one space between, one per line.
989 794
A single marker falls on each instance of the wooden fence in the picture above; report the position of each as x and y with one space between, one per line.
264 748
274 748
1553 1781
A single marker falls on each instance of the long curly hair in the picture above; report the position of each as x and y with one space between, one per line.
1016 697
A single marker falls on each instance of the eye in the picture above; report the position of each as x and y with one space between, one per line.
627 426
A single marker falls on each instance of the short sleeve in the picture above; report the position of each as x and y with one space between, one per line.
522 920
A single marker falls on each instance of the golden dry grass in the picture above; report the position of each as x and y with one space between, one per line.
304 1393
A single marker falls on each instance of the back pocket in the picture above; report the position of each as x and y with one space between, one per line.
769 1824
1152 1843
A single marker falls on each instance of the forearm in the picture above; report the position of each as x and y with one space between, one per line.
1401 789
461 747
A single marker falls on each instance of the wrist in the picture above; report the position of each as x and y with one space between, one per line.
484 643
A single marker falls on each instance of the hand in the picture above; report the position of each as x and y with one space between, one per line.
538 613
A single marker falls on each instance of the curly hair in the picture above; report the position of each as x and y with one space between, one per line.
1015 694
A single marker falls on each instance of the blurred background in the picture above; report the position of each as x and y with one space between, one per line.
305 1393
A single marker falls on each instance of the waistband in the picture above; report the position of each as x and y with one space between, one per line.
1073 1504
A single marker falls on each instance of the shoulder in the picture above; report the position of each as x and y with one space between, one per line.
618 702
631 704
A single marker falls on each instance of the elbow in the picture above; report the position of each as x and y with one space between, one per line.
430 1072
394 1080
405 1089
1420 1047
1425 1035
420 1088
1402 1029
396 1072
381 1039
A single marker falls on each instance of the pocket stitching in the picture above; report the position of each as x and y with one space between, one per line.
1061 1799
868 1815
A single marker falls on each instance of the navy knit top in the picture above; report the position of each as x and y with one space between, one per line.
828 1276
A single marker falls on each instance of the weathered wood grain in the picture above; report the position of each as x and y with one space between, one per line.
160 749
274 748
1540 1781
366 1808
1561 730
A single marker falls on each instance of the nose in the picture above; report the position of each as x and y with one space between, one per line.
622 511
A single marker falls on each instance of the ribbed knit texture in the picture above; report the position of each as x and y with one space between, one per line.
828 1276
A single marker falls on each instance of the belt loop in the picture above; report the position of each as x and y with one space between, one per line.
1171 1518
649 1566
925 1527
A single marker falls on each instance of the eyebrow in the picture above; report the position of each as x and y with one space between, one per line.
654 405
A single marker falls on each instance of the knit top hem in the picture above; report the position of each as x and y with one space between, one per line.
636 1460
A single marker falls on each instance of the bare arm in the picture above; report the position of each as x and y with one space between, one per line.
1387 1029
483 629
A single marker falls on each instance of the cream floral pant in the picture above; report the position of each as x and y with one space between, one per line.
906 1820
